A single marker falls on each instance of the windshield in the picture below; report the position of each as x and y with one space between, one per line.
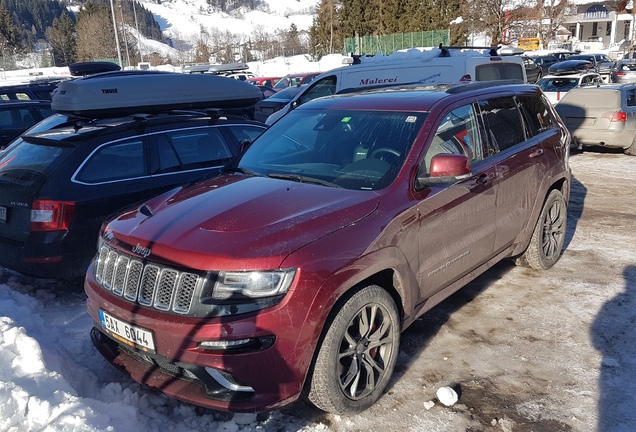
557 84
352 149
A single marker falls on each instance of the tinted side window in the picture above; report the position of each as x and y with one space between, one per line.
16 118
631 97
503 122
536 114
458 133
118 161
191 149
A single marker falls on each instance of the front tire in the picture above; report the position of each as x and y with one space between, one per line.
548 236
357 354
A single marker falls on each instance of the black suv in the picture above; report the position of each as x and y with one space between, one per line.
18 116
33 90
61 180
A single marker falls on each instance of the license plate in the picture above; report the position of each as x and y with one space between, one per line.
134 336
3 214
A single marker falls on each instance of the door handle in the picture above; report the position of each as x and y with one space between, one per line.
537 152
483 179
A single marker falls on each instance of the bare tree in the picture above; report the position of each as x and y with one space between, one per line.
182 46
95 35
552 17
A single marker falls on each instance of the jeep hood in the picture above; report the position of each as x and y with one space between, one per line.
235 222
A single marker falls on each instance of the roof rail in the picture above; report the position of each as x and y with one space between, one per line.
482 84
445 49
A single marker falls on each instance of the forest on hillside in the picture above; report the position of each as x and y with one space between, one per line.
87 34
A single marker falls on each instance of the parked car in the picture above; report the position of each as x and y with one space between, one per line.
624 71
602 64
601 116
57 185
434 66
264 81
544 61
563 55
533 70
295 79
249 111
567 67
241 75
555 86
266 107
32 90
18 116
335 230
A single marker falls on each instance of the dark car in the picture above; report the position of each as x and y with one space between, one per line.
533 70
59 182
295 271
18 116
601 63
249 112
544 61
34 90
264 108
571 67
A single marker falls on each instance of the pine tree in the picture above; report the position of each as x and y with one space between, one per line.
61 36
8 32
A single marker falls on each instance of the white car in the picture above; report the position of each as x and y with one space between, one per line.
555 86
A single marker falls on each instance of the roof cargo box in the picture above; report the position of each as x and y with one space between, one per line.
90 68
127 92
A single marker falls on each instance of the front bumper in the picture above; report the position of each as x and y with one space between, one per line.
256 378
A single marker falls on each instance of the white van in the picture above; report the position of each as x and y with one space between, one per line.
419 65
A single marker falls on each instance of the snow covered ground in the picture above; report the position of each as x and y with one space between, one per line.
541 351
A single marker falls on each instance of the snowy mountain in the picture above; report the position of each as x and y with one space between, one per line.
189 17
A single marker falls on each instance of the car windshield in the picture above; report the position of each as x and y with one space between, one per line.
560 84
352 149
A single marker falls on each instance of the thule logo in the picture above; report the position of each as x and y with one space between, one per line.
109 91
139 249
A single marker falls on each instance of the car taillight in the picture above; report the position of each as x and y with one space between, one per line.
618 116
619 73
49 215
465 78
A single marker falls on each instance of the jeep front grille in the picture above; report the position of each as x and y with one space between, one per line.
150 285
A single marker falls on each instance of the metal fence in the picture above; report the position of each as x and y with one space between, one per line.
394 42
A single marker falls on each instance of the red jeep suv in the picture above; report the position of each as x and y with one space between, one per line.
294 272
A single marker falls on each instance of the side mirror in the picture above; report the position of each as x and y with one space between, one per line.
446 168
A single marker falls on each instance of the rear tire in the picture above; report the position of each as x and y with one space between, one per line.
356 356
631 150
548 236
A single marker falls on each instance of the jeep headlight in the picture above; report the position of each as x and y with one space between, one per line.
236 285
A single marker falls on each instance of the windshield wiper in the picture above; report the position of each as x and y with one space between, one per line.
303 179
241 170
